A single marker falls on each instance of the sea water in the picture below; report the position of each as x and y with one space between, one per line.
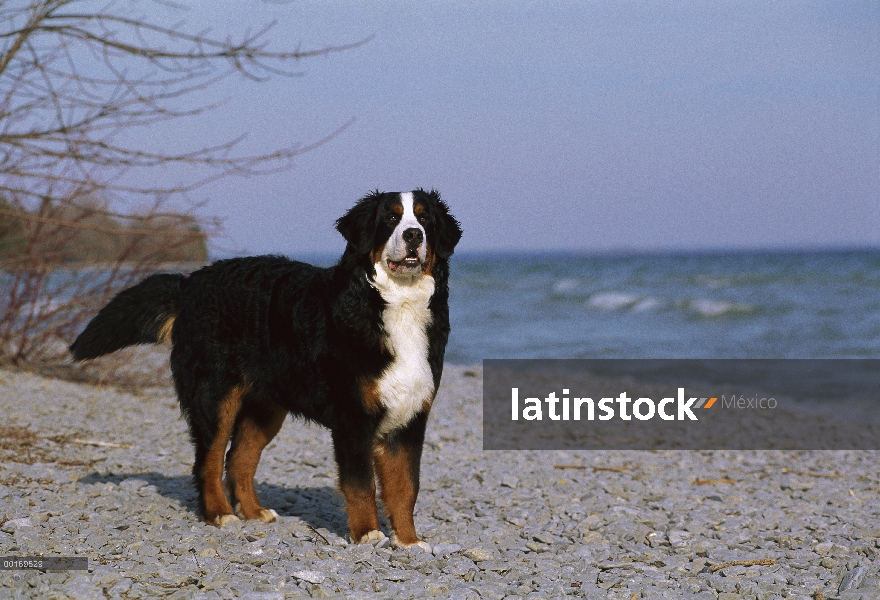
677 305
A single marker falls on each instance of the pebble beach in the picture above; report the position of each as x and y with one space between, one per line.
102 472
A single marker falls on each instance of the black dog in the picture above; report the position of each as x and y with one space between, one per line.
357 347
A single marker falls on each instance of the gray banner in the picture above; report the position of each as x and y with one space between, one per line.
44 563
753 404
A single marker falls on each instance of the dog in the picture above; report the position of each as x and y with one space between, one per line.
357 347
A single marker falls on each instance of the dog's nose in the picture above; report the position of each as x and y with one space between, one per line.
412 236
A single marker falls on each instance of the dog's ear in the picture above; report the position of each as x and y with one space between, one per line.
448 229
358 225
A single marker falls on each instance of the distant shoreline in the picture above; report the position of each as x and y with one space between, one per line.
329 257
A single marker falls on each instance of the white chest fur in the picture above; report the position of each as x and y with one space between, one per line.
407 383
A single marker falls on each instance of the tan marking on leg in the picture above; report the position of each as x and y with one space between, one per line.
370 397
165 331
398 491
216 504
251 437
363 516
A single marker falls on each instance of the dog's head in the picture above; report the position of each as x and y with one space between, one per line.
403 233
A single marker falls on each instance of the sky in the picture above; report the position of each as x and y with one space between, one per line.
586 126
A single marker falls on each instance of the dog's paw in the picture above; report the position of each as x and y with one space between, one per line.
267 515
221 520
372 536
424 546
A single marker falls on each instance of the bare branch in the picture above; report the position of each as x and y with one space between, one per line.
71 82
75 85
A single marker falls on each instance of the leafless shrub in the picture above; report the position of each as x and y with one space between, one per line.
75 82
71 258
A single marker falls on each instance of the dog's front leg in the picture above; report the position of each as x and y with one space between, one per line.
358 485
398 461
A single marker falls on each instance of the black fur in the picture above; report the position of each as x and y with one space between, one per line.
134 316
294 336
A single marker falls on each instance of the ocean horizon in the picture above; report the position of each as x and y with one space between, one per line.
740 303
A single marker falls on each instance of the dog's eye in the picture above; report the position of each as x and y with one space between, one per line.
394 218
423 219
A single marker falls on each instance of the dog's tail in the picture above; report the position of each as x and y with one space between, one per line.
142 314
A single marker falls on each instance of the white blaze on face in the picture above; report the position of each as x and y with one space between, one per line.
395 249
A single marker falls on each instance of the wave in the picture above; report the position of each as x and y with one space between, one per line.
704 307
565 286
646 304
612 300
621 300
701 307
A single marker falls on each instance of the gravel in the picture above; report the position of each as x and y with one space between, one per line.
104 473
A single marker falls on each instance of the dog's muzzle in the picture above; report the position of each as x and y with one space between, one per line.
413 239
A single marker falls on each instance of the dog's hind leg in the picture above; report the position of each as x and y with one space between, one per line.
210 440
255 428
